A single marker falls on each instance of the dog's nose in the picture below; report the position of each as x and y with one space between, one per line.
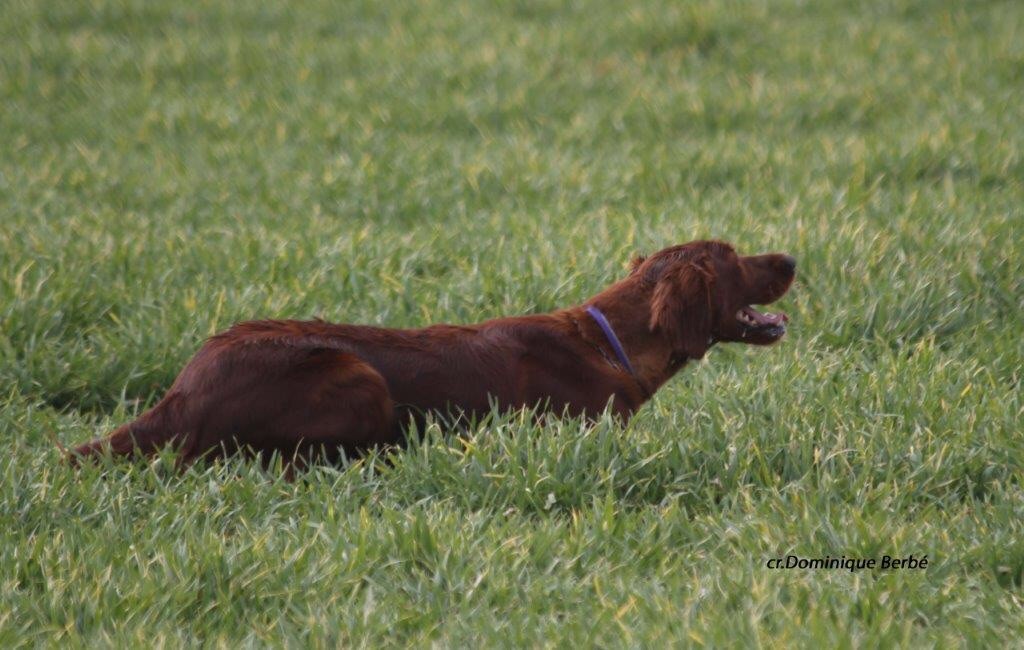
788 262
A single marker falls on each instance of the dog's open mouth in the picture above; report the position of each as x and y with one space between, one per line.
761 325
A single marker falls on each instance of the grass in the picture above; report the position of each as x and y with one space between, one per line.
169 168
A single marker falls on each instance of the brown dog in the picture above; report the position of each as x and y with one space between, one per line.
301 387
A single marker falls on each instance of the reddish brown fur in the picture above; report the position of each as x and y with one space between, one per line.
302 387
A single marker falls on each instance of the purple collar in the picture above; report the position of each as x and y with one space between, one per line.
609 334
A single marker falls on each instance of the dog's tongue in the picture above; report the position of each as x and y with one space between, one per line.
766 319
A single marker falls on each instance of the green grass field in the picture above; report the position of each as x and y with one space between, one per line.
169 168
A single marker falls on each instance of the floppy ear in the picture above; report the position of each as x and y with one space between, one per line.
681 307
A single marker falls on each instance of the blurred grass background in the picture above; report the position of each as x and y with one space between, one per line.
168 169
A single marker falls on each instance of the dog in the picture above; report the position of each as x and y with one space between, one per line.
305 388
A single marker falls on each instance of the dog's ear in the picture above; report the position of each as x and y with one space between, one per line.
634 266
681 306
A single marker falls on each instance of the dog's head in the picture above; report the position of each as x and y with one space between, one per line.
703 292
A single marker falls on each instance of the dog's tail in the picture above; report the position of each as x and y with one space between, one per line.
148 434
58 444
